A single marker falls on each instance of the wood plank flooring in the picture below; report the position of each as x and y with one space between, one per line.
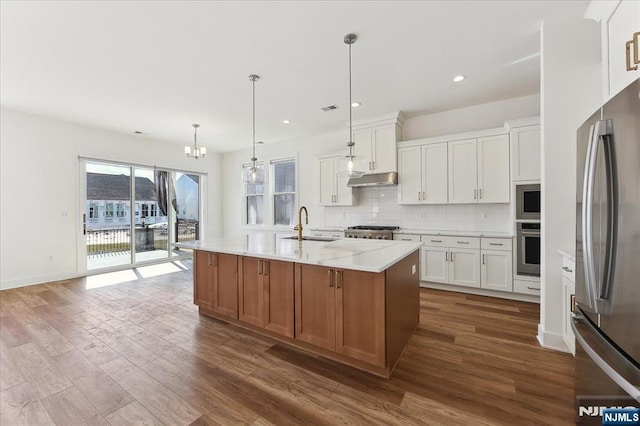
139 353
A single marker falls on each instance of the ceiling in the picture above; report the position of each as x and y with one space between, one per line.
158 67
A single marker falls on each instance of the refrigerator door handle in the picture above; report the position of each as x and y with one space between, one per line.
605 135
627 376
587 218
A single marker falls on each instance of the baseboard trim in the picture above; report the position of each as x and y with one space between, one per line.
552 341
482 292
41 279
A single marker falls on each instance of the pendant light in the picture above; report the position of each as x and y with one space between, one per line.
194 151
351 165
253 174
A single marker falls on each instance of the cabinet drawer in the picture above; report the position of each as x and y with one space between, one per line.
464 242
406 237
330 234
568 269
526 287
435 240
495 244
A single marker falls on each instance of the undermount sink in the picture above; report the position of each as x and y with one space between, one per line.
326 239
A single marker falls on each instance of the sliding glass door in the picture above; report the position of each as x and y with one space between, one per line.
136 214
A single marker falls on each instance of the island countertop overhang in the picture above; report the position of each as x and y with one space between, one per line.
355 254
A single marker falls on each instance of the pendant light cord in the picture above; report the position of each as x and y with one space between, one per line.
350 109
253 159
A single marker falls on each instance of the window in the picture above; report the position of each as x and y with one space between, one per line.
154 210
254 198
284 192
108 211
120 210
93 211
145 210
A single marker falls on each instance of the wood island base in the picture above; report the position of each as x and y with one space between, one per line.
358 318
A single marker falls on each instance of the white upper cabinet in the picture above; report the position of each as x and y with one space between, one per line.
422 174
463 172
525 153
621 31
493 169
333 187
378 145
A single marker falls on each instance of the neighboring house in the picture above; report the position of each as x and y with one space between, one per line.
187 197
109 201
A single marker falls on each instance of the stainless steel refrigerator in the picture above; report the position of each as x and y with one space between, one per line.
606 319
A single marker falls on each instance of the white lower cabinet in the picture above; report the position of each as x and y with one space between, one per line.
450 260
433 264
496 269
464 267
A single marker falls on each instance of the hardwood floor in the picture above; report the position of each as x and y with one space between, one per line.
139 353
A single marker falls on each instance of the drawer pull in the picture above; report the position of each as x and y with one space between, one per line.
566 269
533 288
436 241
406 239
463 242
495 244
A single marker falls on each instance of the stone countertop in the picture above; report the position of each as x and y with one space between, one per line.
568 253
356 254
485 234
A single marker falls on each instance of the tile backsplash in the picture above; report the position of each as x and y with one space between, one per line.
379 206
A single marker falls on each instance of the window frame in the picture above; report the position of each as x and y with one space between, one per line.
245 198
273 193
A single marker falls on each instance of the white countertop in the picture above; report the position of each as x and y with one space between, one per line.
357 254
485 234
568 253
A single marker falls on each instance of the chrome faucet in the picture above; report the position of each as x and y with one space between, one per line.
298 227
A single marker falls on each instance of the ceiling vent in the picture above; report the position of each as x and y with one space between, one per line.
330 108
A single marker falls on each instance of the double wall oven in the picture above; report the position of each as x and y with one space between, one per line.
528 230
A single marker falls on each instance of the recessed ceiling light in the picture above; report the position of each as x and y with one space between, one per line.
286 121
459 78
356 104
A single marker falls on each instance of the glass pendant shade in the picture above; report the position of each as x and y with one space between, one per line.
195 151
253 175
352 166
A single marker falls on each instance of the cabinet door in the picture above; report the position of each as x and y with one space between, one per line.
463 175
251 291
493 169
344 194
434 266
327 181
621 27
384 148
315 305
360 315
496 270
278 297
363 140
434 174
225 285
525 153
409 175
464 267
204 275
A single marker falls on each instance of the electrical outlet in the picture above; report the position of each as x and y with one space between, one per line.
413 269
484 215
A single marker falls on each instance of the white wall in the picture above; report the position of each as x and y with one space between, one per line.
379 205
570 93
40 210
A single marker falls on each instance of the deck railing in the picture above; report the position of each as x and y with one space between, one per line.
112 240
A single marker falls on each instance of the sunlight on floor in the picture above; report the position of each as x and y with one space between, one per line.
110 278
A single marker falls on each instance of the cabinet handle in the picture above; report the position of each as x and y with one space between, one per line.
338 279
566 269
483 259
451 256
259 267
419 196
446 256
213 259
495 244
533 288
462 242
265 267
436 241
636 41
480 193
572 303
330 278
423 197
628 46
475 194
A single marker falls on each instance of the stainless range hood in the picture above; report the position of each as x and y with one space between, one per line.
374 179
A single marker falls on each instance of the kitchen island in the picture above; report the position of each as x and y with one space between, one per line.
353 301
